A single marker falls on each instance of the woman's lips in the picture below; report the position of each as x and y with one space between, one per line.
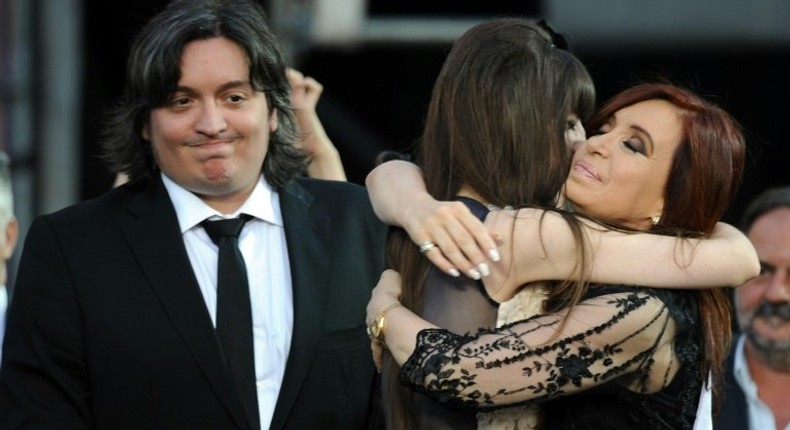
585 169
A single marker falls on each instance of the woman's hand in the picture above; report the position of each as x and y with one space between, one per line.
325 160
461 241
447 233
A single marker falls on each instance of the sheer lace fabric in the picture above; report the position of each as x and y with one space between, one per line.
625 357
525 304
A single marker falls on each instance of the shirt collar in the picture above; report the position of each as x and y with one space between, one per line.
740 369
263 203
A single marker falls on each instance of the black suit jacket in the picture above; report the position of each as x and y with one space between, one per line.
734 410
108 329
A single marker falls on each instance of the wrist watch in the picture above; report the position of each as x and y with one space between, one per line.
376 328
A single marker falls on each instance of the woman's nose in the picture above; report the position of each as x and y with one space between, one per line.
597 144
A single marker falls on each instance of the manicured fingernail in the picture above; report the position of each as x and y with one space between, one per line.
484 269
474 274
454 272
494 254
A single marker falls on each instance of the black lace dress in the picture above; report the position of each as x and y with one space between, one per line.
627 358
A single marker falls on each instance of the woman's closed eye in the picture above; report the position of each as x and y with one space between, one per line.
635 145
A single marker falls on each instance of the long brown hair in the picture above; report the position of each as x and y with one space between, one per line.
706 171
495 124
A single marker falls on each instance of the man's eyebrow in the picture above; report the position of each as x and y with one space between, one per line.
766 267
234 84
224 87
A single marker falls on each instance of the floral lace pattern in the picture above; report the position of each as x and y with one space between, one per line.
637 346
526 303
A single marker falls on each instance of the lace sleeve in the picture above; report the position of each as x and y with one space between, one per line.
605 337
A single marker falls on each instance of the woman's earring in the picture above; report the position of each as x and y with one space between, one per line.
655 219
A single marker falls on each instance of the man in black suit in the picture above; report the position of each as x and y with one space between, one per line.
112 324
757 393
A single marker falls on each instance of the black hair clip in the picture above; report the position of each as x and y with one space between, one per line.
556 38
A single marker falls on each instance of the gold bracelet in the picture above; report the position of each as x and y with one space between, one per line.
376 329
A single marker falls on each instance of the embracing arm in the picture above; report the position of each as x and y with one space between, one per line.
392 186
726 258
545 249
603 338
399 197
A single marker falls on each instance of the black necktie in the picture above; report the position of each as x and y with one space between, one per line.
234 314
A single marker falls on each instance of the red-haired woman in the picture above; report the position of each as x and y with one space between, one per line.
610 356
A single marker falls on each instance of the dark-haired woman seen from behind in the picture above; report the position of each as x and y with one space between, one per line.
606 356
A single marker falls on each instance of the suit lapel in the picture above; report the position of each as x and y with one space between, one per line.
734 410
155 238
306 233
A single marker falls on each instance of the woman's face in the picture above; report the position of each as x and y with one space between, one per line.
619 173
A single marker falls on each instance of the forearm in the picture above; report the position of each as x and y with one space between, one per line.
393 188
401 332
734 252
725 259
493 367
325 161
546 249
400 326
327 165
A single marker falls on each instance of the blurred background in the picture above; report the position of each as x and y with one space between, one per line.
62 65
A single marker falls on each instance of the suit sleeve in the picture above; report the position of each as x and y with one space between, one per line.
44 382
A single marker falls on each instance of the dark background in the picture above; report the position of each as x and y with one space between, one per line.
376 94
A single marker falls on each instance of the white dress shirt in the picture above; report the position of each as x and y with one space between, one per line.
760 415
704 420
262 243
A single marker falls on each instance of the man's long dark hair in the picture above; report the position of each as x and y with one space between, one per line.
153 71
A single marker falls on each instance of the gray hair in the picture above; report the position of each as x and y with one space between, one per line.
768 200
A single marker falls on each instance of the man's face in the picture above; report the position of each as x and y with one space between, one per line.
212 136
763 304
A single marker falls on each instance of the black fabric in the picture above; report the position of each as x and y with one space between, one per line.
481 212
595 376
234 311
461 305
734 409
122 338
